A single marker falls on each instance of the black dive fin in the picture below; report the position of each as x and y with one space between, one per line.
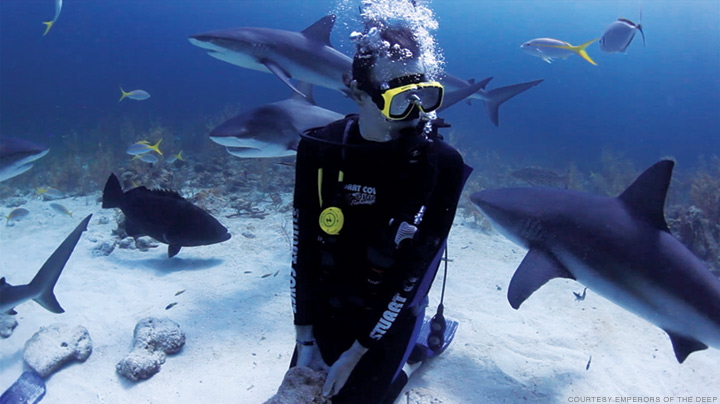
280 73
173 250
645 198
535 270
684 346
28 388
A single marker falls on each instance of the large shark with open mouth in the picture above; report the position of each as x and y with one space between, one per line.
308 56
16 156
619 247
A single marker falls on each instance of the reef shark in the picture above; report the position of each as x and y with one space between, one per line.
41 287
308 56
619 247
16 156
273 130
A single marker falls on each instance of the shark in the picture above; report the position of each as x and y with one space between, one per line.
621 248
308 56
41 287
273 130
16 156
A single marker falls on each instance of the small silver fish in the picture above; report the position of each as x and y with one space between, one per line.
170 306
143 147
137 95
548 49
49 24
149 158
16 214
618 35
50 193
60 209
175 157
180 292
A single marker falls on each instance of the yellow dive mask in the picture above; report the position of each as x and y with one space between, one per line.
397 97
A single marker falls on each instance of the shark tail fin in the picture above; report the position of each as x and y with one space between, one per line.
46 278
113 195
48 25
580 50
497 96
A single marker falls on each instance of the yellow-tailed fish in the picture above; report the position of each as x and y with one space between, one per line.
50 193
49 24
142 148
175 157
16 214
137 95
548 49
61 209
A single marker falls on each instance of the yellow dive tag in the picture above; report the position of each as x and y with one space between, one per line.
332 220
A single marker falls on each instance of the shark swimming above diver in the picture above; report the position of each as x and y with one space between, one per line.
309 57
274 130
41 287
618 247
16 156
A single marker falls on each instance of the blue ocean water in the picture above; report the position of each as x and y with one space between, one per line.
654 101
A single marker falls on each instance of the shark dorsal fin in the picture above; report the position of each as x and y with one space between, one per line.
645 198
320 31
305 88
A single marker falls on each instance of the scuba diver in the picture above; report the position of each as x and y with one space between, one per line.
375 197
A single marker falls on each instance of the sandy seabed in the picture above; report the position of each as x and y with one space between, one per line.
235 311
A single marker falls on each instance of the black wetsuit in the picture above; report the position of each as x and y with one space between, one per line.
349 280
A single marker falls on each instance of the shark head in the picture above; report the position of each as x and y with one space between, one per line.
512 213
236 46
16 156
266 131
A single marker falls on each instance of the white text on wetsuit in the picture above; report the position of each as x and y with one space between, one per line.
388 317
296 240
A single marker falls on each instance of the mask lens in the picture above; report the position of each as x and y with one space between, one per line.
427 97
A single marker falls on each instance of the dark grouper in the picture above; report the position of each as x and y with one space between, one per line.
163 215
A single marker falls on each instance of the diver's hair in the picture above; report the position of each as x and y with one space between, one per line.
400 39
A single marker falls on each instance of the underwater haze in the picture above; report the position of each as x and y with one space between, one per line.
659 100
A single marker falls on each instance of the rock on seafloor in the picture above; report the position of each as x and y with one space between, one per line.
29 388
301 385
53 346
7 325
154 338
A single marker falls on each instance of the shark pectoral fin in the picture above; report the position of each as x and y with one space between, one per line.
173 250
281 74
535 270
684 346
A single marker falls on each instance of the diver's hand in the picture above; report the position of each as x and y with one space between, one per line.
308 354
341 369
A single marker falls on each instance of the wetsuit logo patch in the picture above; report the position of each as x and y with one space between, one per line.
331 220
359 195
